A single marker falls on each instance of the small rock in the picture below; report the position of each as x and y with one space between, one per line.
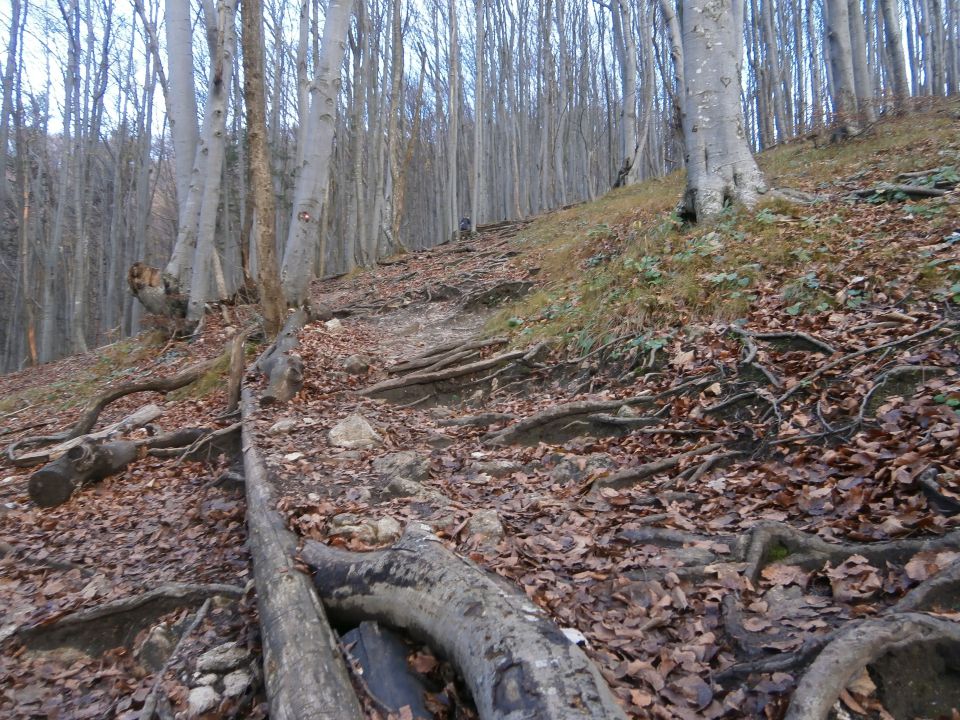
236 683
485 522
202 699
354 432
388 530
208 679
357 364
626 411
156 648
578 468
406 465
222 658
365 533
344 519
496 468
282 426
333 326
438 440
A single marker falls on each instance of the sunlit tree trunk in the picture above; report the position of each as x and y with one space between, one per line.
720 166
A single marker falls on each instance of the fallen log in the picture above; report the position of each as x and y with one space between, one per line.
304 672
134 420
90 413
89 461
515 661
280 363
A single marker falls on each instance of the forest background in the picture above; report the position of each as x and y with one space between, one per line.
118 124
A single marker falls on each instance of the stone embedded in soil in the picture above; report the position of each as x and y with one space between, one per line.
354 432
202 699
333 326
282 426
438 440
222 658
496 468
156 648
485 522
236 683
388 530
577 469
405 465
357 364
208 679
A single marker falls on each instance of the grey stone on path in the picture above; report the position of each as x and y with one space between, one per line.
578 468
222 658
236 683
485 522
404 465
202 699
496 468
282 426
155 650
357 364
354 432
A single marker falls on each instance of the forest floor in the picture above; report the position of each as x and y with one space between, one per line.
715 453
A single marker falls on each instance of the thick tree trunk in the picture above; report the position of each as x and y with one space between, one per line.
720 167
515 661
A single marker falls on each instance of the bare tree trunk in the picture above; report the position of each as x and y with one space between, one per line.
720 167
861 71
837 21
212 144
453 121
297 268
182 98
892 33
261 179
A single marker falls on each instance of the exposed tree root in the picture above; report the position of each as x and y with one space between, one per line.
856 647
305 675
516 663
281 364
442 353
912 375
116 623
805 381
769 540
149 708
426 378
629 476
481 420
531 427
92 410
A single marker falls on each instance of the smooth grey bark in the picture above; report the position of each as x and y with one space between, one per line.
861 71
892 34
182 98
843 86
720 166
212 145
297 268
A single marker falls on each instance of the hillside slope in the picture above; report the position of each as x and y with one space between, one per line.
711 451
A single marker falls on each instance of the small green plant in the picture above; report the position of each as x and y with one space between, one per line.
648 267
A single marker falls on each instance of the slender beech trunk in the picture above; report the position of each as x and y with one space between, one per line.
261 177
297 268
